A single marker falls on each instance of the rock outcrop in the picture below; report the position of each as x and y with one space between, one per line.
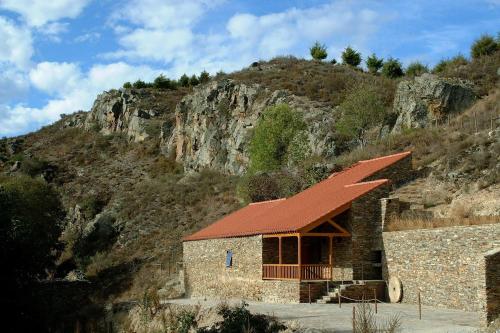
428 99
213 125
120 111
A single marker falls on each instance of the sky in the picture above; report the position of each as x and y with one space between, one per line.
57 55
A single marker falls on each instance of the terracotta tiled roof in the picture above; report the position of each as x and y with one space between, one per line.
329 197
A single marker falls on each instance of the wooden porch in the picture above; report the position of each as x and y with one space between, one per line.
306 255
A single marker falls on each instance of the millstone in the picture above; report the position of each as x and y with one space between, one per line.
395 289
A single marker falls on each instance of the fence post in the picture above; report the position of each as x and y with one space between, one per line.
340 298
354 317
375 296
309 287
419 307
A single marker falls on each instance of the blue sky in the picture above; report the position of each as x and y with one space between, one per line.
56 55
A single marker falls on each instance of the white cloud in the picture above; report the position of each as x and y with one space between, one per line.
73 89
164 13
38 12
55 78
247 37
13 84
88 37
15 43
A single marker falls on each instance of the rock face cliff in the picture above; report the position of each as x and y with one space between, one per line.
213 125
428 99
125 111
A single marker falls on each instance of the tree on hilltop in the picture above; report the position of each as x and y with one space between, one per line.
351 57
318 51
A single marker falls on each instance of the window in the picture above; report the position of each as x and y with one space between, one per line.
229 258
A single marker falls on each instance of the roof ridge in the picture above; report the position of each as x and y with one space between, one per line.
405 153
377 181
265 201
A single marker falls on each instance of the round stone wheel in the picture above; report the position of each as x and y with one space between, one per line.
395 289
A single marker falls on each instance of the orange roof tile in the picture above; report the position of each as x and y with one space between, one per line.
330 196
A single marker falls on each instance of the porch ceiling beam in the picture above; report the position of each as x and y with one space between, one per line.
326 218
325 234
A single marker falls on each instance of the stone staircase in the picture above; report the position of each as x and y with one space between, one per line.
355 290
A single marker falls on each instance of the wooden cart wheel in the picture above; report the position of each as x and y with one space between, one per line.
395 289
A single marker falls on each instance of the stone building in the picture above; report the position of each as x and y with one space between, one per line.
286 250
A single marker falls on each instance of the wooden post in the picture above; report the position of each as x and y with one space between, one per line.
330 256
279 251
419 307
354 317
299 241
340 298
309 287
375 296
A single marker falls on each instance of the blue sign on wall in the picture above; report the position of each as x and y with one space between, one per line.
229 258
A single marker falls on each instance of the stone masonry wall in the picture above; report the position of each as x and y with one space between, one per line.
492 267
446 264
206 274
366 225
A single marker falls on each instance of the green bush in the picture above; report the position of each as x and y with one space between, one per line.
184 80
31 216
374 64
162 82
193 81
139 84
127 85
446 65
416 68
318 51
351 57
273 135
240 319
392 68
484 45
204 77
362 109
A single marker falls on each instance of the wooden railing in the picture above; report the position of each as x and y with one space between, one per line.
296 272
280 272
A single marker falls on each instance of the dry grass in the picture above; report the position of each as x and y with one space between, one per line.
401 224
319 81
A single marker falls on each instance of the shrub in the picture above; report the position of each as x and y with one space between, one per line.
162 82
204 77
91 205
484 45
140 84
184 80
333 61
392 68
416 68
31 214
239 319
193 81
127 85
273 134
362 109
446 65
318 51
351 57
374 64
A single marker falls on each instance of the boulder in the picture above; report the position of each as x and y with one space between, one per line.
213 125
122 111
428 99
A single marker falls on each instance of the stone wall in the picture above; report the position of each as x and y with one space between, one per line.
492 267
206 274
448 265
366 224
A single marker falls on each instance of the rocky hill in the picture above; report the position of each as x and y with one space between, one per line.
145 167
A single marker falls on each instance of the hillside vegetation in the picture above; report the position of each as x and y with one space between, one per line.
128 204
